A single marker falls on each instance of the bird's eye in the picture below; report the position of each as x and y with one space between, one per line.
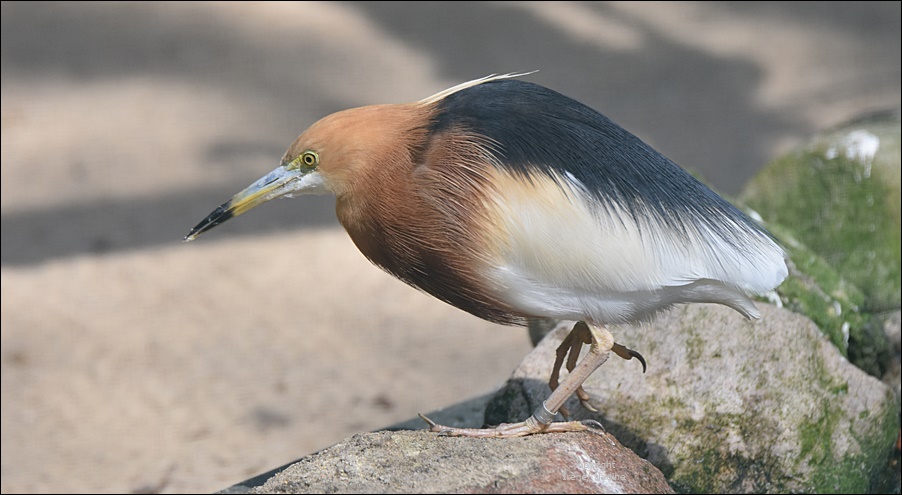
310 159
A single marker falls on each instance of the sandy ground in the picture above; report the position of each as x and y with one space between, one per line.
132 362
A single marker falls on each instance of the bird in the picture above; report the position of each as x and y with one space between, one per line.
511 201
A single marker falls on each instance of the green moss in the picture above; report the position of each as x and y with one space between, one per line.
815 289
849 470
695 345
797 296
838 207
712 468
877 447
816 435
711 465
843 476
851 473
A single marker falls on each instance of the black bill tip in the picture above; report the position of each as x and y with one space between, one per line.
218 216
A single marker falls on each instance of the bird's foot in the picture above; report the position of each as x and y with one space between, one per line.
628 354
511 430
570 348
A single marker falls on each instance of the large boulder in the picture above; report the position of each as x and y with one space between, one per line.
730 405
424 462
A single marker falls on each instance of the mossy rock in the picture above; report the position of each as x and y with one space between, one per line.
815 289
840 196
731 406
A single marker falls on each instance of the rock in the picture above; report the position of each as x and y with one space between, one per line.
893 376
893 379
423 462
840 195
835 206
540 327
729 405
892 328
815 289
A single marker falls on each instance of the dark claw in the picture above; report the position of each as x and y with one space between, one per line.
433 426
594 424
627 353
639 357
427 420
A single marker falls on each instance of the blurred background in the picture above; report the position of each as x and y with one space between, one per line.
133 362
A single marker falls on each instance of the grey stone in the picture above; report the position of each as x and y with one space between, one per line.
424 462
540 327
729 405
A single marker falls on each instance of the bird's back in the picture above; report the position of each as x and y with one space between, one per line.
590 222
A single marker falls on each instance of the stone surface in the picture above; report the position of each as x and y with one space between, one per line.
840 195
893 379
463 414
891 327
732 406
815 289
893 375
423 462
835 205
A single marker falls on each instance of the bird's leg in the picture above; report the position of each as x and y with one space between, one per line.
542 420
572 344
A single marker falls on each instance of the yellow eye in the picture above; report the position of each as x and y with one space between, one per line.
310 159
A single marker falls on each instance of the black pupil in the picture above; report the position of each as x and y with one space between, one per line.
308 159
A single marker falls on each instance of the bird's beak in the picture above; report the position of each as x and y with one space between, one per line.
282 181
